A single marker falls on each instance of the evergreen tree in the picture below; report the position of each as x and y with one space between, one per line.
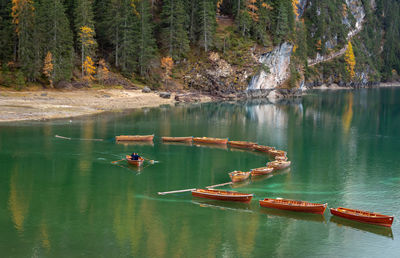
85 31
6 31
23 13
174 28
282 24
207 22
121 34
146 43
55 37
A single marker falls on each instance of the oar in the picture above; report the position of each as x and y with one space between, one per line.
152 161
212 186
177 191
117 161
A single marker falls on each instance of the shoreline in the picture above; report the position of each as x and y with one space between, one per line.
45 104
36 105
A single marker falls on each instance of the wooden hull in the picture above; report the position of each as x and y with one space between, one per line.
262 148
275 153
261 171
291 205
210 140
134 138
137 163
177 139
281 158
222 195
363 216
279 164
240 144
238 176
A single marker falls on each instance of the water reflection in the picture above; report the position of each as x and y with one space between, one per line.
293 215
378 230
233 206
19 197
58 194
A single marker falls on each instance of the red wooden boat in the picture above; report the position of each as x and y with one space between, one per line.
222 195
263 148
210 140
281 158
363 216
261 171
137 163
278 164
134 138
292 205
237 176
241 144
177 139
275 153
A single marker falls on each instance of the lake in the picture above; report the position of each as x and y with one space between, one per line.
66 198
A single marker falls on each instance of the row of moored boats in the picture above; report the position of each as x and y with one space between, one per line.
280 162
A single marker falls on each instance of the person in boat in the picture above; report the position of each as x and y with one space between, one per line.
135 156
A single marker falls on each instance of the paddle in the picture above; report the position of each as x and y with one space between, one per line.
117 161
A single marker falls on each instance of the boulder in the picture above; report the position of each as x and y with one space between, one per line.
165 95
146 90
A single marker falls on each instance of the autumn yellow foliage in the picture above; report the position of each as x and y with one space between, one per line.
295 8
350 59
89 68
167 63
19 7
102 71
48 67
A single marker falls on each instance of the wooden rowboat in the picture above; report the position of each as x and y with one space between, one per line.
278 164
241 144
177 139
263 148
292 205
237 176
210 140
281 158
261 171
137 163
134 137
363 216
222 195
275 153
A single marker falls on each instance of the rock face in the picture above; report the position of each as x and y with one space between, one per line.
277 61
218 77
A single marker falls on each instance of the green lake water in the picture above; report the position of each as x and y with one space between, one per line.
65 198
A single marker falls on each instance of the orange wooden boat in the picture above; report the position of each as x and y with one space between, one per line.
275 153
363 216
263 148
278 164
292 205
210 140
134 137
237 176
281 158
241 144
137 163
261 171
222 195
177 139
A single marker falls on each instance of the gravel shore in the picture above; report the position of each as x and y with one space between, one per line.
49 104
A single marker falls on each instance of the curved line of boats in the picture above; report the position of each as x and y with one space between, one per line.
280 162
297 206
